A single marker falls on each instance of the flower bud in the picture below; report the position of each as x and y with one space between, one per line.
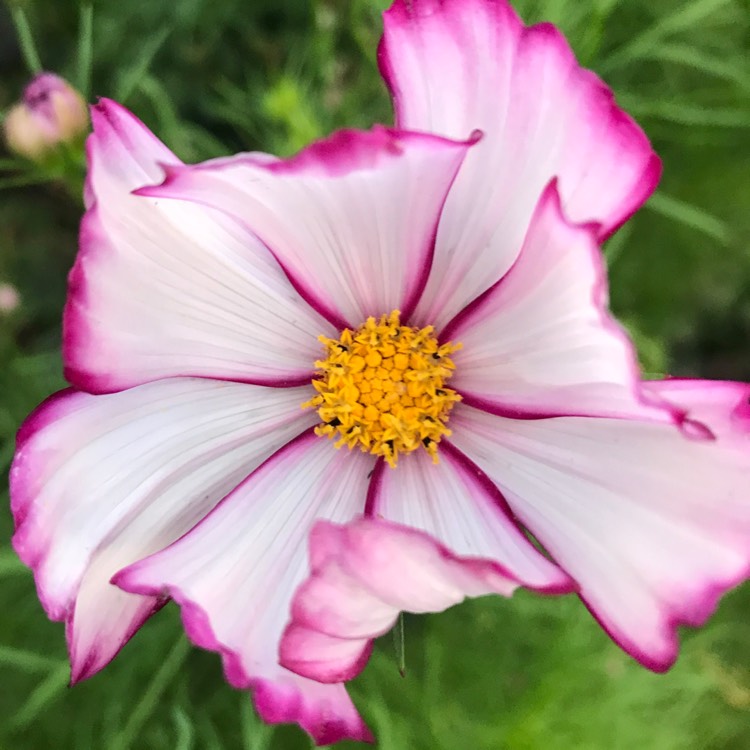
10 299
51 113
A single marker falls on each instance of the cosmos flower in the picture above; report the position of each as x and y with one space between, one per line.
403 329
51 113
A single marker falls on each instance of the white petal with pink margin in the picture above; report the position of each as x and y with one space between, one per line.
456 65
163 289
459 507
455 537
100 482
352 219
652 522
363 575
234 575
541 341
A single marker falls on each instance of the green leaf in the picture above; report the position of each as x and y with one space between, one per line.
131 77
704 62
690 115
185 736
26 40
256 734
149 703
28 661
686 16
85 46
46 691
10 565
691 216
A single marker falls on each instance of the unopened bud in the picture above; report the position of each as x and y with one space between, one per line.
51 113
10 299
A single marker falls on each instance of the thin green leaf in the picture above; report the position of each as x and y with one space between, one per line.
151 697
617 243
28 661
687 114
10 565
85 47
170 127
399 643
185 736
130 79
209 738
691 216
47 691
704 62
256 735
685 17
26 40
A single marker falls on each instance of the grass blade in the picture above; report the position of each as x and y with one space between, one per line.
26 41
132 77
10 565
184 734
686 114
150 700
28 661
256 734
703 62
685 17
85 47
617 243
691 216
47 691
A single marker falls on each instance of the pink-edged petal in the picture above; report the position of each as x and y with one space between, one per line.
652 523
163 289
541 342
453 538
363 575
352 219
456 65
458 506
235 573
99 482
721 406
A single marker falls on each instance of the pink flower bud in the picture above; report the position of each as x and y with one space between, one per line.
10 299
51 113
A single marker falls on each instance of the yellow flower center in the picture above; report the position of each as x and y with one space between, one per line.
382 388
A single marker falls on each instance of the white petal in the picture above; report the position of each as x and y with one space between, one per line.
363 574
352 219
235 573
455 504
653 523
163 289
541 341
456 65
99 482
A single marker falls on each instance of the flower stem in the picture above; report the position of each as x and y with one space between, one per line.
399 642
26 40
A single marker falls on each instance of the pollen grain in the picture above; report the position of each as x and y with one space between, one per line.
382 388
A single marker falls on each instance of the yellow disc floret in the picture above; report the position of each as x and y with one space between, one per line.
382 388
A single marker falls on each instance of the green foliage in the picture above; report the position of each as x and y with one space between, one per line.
227 75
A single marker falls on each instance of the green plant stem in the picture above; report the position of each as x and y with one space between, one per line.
26 41
85 47
400 643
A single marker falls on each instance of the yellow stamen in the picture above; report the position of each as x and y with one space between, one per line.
381 388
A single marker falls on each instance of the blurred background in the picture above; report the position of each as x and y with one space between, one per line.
212 77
